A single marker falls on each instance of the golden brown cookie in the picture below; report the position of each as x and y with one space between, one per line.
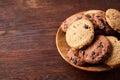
114 58
80 33
113 19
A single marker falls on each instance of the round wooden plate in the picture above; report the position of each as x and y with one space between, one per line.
63 49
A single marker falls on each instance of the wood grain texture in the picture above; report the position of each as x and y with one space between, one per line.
27 39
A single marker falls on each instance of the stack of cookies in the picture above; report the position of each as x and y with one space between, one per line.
93 37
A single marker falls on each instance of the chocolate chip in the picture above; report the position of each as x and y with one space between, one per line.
92 57
93 52
88 16
81 51
74 60
102 21
100 45
86 26
76 54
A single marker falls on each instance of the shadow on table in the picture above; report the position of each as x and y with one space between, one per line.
113 74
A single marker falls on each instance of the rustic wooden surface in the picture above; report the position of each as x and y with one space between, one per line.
27 39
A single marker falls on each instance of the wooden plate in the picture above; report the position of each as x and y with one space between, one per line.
63 48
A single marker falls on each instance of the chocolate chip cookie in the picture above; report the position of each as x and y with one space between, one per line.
97 17
80 33
98 51
76 57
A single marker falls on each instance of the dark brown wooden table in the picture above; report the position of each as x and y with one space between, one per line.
27 39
